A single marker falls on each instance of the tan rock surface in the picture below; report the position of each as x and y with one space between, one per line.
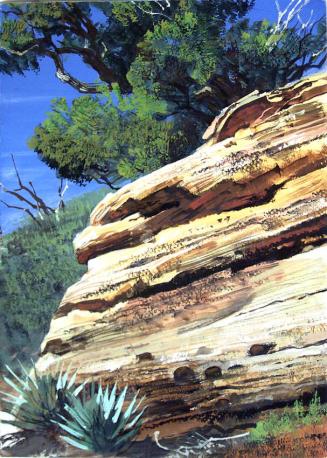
206 283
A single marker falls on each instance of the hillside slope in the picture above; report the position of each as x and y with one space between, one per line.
36 266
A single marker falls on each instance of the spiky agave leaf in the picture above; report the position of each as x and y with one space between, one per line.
100 423
37 399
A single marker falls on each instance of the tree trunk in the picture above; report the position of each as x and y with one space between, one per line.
206 283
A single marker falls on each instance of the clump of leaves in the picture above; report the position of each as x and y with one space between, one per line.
289 420
99 422
37 400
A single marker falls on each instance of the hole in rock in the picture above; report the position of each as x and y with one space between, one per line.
184 375
322 393
147 356
306 397
222 403
236 366
261 349
204 351
213 372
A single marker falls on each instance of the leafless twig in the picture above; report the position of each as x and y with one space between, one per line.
28 196
162 4
286 16
61 191
203 444
304 25
26 210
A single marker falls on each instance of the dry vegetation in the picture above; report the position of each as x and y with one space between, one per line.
306 442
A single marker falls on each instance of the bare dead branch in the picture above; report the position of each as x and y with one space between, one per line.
201 444
304 25
26 210
18 196
40 204
286 16
291 17
16 171
61 191
162 4
34 201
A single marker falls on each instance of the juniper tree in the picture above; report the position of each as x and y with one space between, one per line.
173 64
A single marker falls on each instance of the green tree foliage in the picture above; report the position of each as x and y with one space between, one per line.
37 265
289 419
105 35
30 32
198 67
95 138
172 70
264 60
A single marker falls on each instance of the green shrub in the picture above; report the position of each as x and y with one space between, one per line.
37 265
315 411
36 400
289 420
99 423
272 426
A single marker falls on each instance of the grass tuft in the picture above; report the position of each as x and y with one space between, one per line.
275 425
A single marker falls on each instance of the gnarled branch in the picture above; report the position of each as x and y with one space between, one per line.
61 191
162 4
65 77
200 444
26 210
286 16
32 200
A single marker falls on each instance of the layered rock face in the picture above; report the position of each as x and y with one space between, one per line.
206 283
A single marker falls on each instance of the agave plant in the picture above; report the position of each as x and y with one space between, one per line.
99 423
37 400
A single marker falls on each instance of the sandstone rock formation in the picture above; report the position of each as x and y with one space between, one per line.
206 283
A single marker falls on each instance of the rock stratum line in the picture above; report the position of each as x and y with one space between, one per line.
207 279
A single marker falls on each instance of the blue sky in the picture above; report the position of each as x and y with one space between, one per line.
24 102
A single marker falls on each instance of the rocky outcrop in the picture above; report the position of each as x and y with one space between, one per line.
206 283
